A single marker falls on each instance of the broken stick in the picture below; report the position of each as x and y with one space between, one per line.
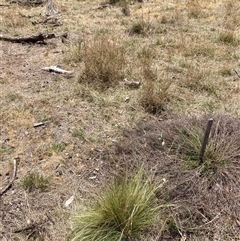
41 123
238 74
12 178
31 39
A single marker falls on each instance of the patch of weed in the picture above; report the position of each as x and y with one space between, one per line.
34 181
14 97
5 151
57 147
79 133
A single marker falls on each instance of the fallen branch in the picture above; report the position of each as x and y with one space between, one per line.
238 74
31 39
205 140
27 228
12 178
56 69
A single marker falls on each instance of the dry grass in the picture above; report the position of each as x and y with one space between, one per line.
155 91
193 47
104 61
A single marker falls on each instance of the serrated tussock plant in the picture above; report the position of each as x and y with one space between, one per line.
120 212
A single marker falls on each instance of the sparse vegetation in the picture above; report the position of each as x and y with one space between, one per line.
79 133
56 147
155 90
14 97
144 75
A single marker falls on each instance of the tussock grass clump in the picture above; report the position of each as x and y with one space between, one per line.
222 151
139 27
120 212
104 60
155 90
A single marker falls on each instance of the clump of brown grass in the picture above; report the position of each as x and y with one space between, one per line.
155 90
143 27
194 9
228 37
104 60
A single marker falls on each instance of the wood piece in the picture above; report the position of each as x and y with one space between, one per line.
27 228
205 140
12 178
238 74
41 123
132 84
57 70
31 39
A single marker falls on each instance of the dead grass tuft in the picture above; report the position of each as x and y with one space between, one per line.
143 27
229 38
104 60
195 10
155 89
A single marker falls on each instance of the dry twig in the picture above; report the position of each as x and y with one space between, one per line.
238 74
12 178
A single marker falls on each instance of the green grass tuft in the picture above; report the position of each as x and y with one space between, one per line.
120 212
35 181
